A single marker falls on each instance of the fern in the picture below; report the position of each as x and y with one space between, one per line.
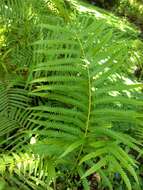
27 171
14 116
77 76
72 98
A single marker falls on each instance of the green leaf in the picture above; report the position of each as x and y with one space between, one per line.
72 147
96 166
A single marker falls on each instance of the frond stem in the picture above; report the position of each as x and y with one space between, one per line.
89 99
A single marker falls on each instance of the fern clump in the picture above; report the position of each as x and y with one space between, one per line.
61 120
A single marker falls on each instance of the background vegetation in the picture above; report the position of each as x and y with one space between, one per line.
70 95
131 9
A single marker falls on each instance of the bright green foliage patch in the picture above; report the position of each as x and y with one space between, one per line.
66 106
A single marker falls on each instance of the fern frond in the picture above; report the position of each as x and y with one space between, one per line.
27 171
14 116
78 79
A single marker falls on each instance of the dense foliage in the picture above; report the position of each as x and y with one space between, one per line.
70 106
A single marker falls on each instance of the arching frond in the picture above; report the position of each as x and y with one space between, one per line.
80 79
14 116
27 171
